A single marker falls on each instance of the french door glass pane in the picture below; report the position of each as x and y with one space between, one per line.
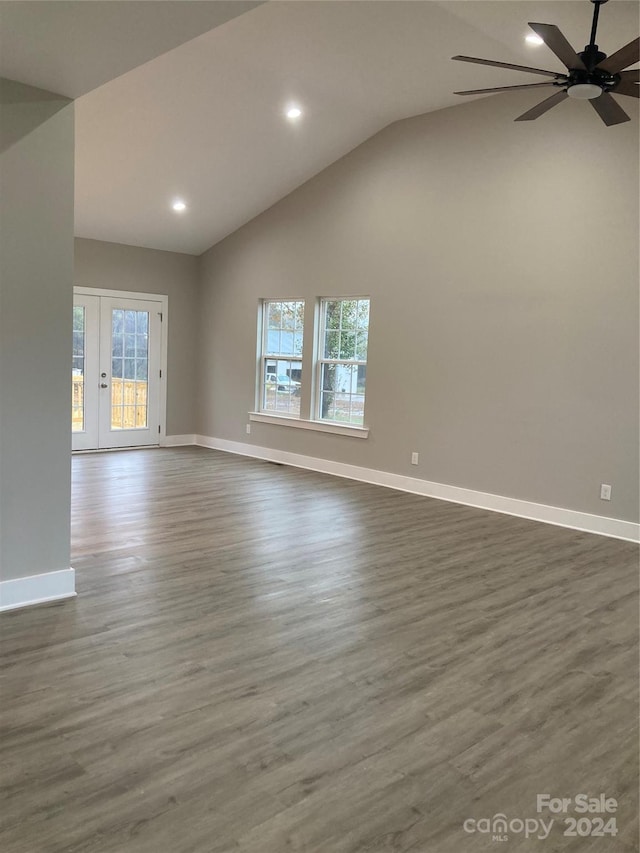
77 370
129 369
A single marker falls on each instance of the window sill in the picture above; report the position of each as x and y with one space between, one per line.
318 426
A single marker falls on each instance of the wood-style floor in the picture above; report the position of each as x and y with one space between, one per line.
263 660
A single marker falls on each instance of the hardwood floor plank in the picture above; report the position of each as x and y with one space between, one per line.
262 659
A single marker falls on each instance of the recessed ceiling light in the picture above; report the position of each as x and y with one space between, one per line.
533 39
294 112
178 205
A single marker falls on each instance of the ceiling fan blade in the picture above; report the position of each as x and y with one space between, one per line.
543 106
508 65
503 88
556 42
627 87
609 110
633 75
627 55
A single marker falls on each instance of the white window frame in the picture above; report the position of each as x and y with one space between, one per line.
310 400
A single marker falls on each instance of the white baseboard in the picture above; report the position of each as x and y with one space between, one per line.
177 440
613 527
37 589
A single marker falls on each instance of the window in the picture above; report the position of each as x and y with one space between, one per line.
342 360
281 357
337 367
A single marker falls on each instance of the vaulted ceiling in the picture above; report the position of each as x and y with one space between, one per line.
182 99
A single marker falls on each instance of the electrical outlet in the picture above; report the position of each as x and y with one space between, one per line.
414 458
605 492
248 428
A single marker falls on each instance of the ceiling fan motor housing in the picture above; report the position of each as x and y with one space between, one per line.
589 84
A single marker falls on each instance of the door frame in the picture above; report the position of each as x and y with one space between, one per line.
163 299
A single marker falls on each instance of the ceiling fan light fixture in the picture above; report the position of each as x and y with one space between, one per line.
584 91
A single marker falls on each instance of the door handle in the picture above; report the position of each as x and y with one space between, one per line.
103 385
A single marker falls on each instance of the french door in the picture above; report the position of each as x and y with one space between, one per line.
116 374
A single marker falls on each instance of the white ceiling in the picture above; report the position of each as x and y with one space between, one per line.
73 46
204 121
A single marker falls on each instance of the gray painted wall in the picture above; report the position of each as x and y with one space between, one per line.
36 273
116 267
502 263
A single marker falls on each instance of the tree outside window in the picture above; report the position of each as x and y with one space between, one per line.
342 362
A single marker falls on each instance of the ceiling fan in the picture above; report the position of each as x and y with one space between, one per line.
591 74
